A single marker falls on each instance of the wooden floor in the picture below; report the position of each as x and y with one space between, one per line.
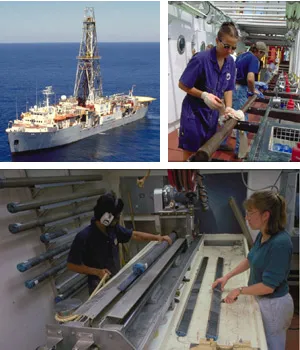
176 155
292 338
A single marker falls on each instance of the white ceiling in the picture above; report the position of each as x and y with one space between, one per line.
260 20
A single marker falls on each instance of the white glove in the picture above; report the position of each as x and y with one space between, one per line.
222 119
238 115
225 114
212 101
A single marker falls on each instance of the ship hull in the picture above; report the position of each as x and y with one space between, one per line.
28 142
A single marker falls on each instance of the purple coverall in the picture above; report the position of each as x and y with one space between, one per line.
198 123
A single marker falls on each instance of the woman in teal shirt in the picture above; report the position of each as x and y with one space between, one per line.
269 261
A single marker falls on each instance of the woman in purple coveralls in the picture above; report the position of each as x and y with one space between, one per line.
209 76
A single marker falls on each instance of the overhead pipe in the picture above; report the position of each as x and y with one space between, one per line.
49 236
19 227
71 290
28 182
16 207
28 264
48 273
189 8
256 15
252 9
255 23
206 151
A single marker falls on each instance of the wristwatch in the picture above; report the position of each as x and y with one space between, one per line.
241 289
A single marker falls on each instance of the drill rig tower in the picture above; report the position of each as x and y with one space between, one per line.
88 84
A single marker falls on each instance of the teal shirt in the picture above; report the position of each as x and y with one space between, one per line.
270 263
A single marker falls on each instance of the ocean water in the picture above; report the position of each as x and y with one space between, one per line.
27 67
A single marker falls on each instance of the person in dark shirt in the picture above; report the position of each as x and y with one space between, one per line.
269 261
247 65
95 249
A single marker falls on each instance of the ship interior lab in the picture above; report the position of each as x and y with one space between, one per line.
157 259
233 80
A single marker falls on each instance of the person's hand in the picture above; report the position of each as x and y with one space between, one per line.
228 111
140 182
223 280
232 113
212 101
232 296
166 239
256 92
101 273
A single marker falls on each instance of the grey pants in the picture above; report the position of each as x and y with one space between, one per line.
277 314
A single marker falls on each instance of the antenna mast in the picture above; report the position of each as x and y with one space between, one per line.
88 83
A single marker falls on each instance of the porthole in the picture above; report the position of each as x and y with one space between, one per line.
181 44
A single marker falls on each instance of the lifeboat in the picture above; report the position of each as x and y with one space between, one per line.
59 118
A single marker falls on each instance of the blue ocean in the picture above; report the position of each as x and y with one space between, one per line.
25 68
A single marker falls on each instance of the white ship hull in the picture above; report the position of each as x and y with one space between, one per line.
33 141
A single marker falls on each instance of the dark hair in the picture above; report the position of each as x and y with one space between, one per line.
108 202
274 204
228 28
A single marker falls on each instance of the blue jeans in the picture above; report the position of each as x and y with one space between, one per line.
239 98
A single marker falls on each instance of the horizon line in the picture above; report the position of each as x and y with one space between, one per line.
78 42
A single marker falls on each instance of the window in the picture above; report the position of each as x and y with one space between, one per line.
181 44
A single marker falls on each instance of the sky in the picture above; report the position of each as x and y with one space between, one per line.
61 21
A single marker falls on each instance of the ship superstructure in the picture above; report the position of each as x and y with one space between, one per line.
86 113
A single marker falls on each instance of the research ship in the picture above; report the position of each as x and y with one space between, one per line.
82 115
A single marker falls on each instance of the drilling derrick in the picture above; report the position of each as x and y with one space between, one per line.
88 84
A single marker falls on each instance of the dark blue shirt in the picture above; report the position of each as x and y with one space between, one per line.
270 263
94 248
246 63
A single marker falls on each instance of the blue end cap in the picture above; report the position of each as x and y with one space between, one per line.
181 333
44 238
214 337
14 228
11 207
139 268
29 284
57 299
22 267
